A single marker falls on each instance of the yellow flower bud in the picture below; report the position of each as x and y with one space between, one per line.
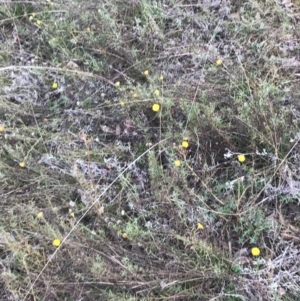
40 215
185 144
255 251
219 62
241 158
200 226
156 107
177 163
56 242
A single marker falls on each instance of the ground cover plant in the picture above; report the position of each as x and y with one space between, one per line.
149 150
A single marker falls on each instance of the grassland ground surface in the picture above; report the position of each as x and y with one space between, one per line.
150 150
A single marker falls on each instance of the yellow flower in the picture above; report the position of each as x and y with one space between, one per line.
33 15
161 78
22 164
122 103
72 214
156 93
40 215
200 226
124 235
54 85
30 18
241 158
2 128
177 163
88 29
117 84
38 22
255 251
185 144
219 62
155 107
134 95
146 72
56 242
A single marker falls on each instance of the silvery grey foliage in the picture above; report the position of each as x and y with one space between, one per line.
55 163
25 86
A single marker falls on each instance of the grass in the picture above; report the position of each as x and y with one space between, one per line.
85 159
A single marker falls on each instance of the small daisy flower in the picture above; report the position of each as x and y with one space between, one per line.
56 242
241 158
200 226
177 163
22 164
156 93
146 72
40 215
54 85
219 62
117 84
255 251
185 144
155 107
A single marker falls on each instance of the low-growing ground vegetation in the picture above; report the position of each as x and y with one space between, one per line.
149 150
